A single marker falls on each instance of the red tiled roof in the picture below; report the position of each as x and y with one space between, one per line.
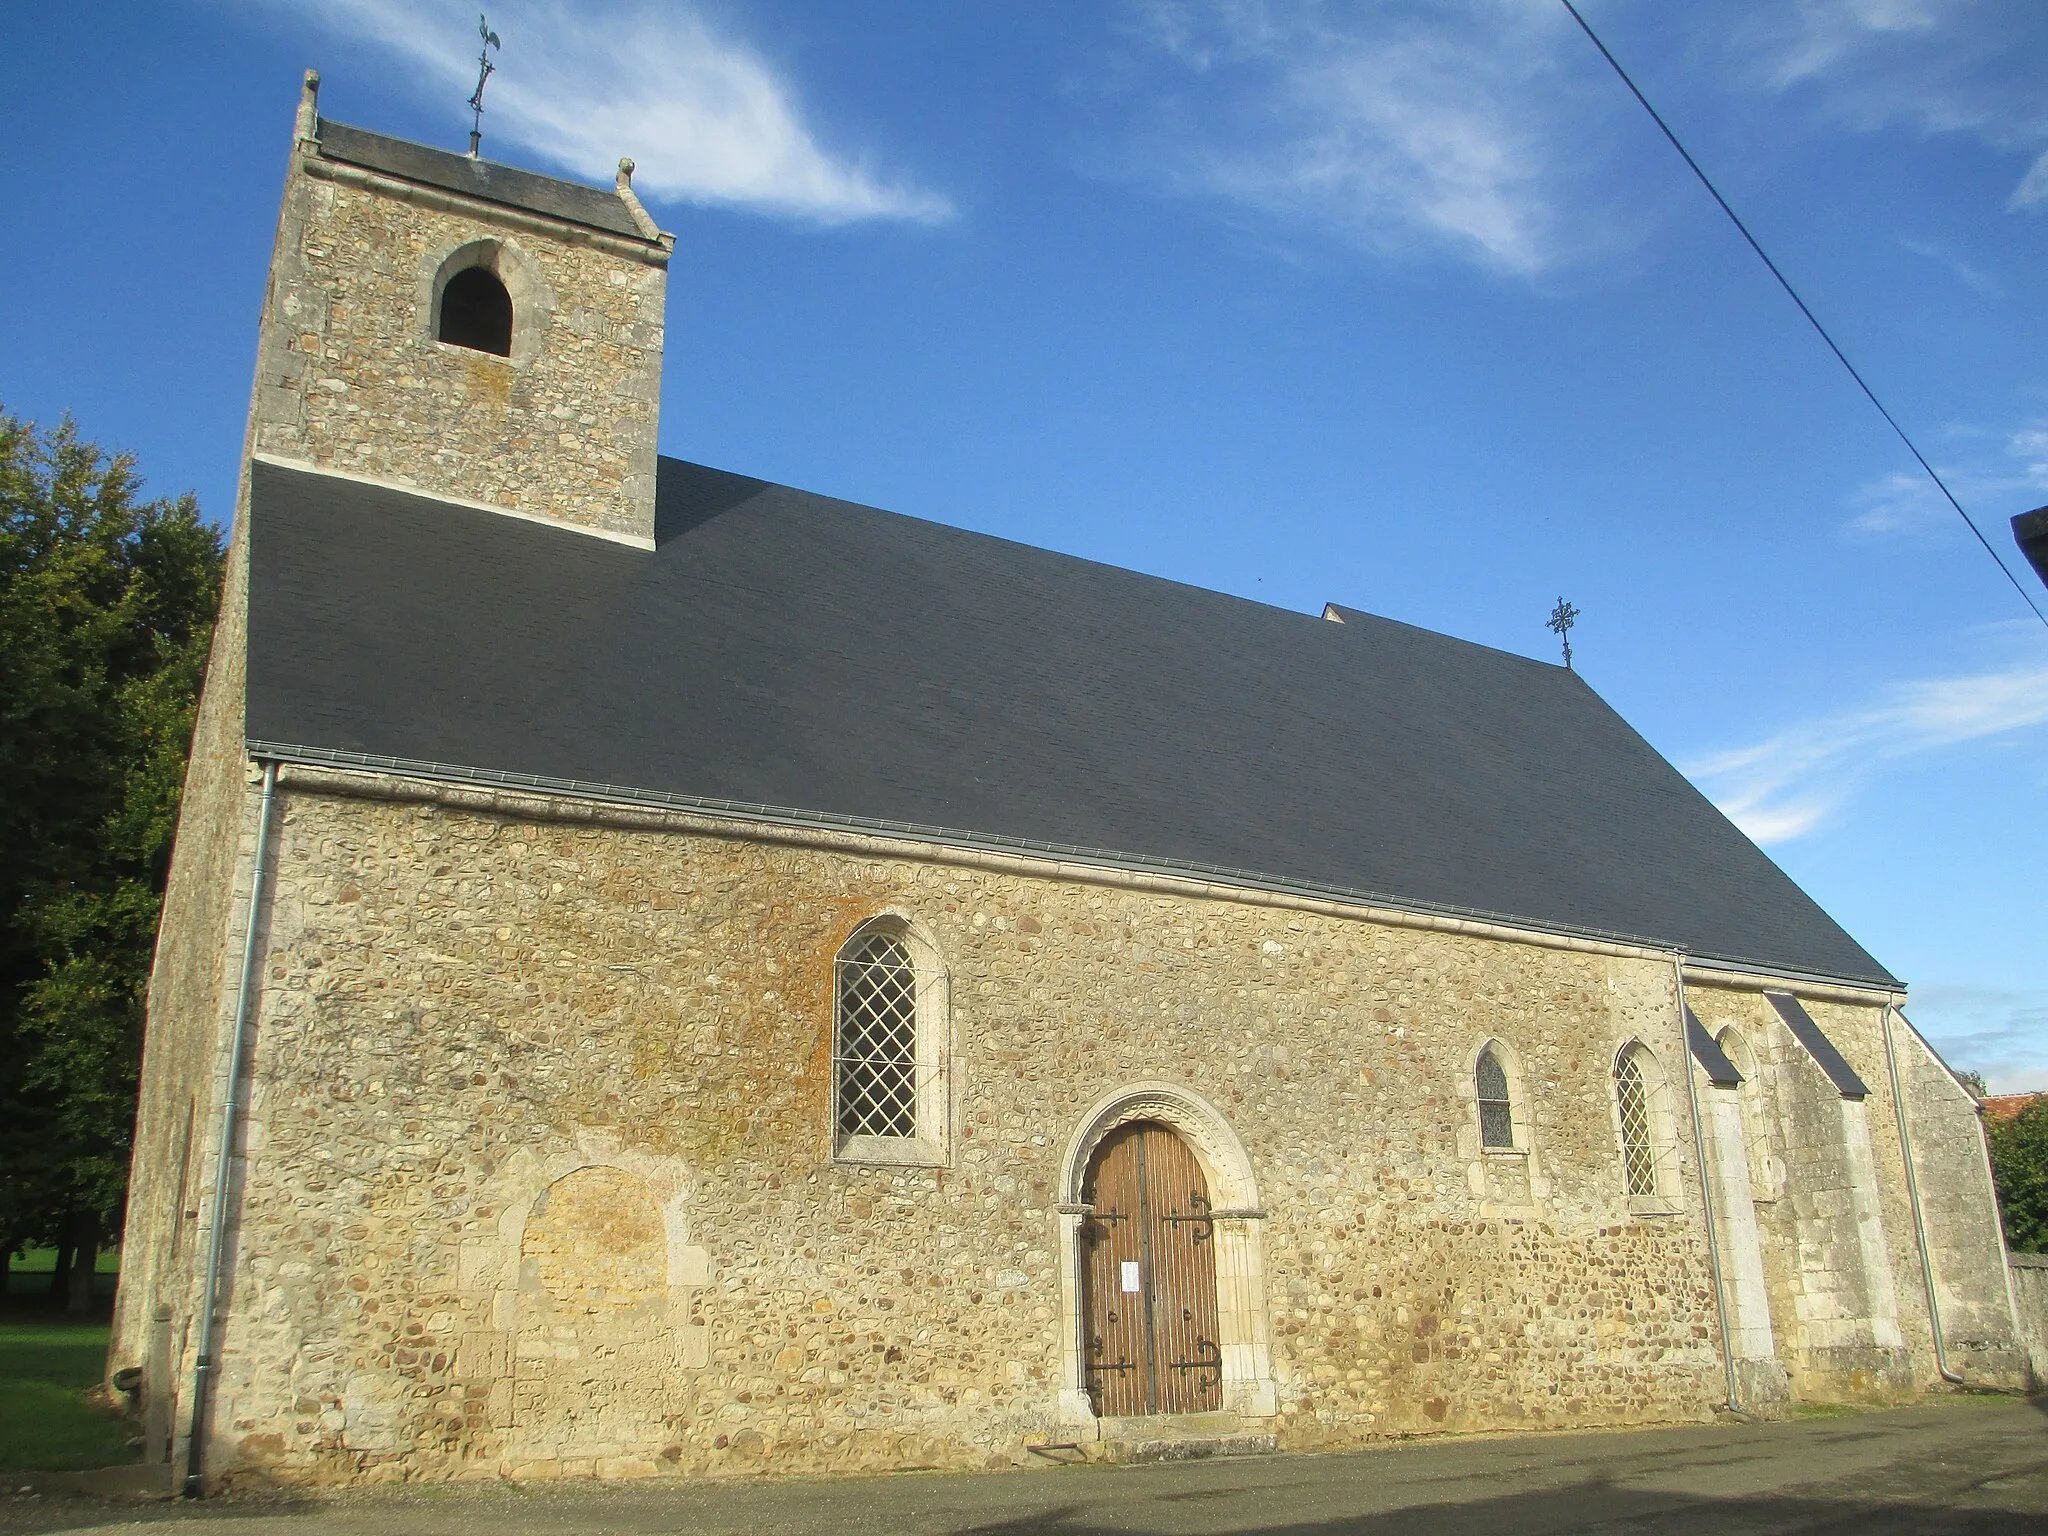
2003 1106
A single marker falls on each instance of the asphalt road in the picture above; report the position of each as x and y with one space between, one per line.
1970 1465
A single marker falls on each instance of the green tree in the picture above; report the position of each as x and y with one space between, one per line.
2019 1163
107 605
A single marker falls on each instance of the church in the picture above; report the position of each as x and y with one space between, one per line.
670 975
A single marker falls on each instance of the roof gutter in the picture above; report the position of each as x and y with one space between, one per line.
206 1369
744 818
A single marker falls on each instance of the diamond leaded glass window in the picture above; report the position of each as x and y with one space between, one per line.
876 1054
1496 1112
1637 1150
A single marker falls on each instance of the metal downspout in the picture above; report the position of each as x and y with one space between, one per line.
1891 1065
1699 1146
206 1367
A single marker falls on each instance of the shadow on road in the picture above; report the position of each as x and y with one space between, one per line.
1588 1507
1970 1467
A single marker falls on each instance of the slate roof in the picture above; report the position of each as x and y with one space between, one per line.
486 179
784 649
2030 532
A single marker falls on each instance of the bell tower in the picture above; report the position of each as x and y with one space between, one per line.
466 329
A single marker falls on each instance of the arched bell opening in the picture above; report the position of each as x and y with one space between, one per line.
476 312
486 296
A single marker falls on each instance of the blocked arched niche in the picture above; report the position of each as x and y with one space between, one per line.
595 1246
533 302
1246 1334
1766 1172
601 1316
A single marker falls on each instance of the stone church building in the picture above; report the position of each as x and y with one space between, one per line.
665 974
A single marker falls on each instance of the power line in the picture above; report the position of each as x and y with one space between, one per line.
1793 294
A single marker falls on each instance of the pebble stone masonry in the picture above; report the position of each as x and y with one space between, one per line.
351 379
534 1171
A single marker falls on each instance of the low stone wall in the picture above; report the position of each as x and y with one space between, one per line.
2030 1291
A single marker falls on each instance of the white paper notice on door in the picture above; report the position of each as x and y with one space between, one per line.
1130 1275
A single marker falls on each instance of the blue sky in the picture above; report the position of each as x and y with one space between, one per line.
1401 305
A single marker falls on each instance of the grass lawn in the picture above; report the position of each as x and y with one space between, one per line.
28 1279
48 1362
47 1365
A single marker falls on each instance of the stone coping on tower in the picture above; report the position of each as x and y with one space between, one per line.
548 196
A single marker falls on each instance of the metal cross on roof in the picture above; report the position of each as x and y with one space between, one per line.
484 68
1562 617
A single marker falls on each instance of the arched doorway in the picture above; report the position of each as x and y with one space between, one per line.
1151 1343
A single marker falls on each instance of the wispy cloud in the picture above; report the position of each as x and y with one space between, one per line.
1488 131
2032 191
1966 272
1403 127
1938 66
2030 446
1806 39
704 116
2002 1034
1897 503
1786 785
1903 503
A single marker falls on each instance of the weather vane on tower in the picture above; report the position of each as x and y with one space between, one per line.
484 67
1562 617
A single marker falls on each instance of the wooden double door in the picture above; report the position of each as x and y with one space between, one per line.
1149 1277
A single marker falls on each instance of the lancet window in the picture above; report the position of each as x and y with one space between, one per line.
1645 1132
888 1049
1496 1104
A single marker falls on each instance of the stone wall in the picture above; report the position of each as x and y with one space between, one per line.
1833 1223
1961 1207
490 1047
1834 1313
2030 1297
191 979
352 379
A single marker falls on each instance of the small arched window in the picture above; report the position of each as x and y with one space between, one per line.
877 1039
1645 1149
889 1093
1638 1148
476 312
1496 1107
